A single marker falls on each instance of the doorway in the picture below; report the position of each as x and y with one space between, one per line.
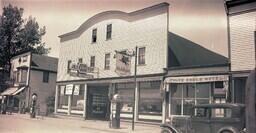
98 102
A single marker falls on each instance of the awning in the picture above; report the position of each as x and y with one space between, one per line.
18 91
196 79
9 91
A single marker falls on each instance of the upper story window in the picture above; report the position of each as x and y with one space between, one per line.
68 66
109 31
94 35
107 61
25 58
24 75
45 77
92 61
141 60
80 60
17 78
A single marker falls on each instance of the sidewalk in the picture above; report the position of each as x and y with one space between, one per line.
78 125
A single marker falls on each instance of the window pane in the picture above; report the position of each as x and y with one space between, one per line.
68 66
203 90
175 106
107 61
150 104
92 62
109 31
189 91
126 90
80 60
221 113
78 98
187 106
176 90
63 99
94 35
142 55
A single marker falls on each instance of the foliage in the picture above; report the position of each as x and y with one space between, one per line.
18 35
50 101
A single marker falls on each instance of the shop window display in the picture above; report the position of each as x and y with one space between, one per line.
78 98
63 99
150 101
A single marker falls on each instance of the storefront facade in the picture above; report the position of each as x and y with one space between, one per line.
241 17
186 87
97 61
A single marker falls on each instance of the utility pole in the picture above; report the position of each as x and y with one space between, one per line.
135 87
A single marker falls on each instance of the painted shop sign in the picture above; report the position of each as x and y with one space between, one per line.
69 89
123 64
81 70
76 89
196 79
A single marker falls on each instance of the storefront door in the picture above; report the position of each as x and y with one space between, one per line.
98 103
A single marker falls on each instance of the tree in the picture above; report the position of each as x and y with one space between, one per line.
18 35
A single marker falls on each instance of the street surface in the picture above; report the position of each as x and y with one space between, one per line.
17 123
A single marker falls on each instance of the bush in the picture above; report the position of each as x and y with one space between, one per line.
50 101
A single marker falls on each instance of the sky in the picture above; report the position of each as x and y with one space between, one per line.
201 21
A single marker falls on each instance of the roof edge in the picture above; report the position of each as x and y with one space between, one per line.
117 13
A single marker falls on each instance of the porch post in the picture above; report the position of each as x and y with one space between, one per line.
69 104
85 100
164 103
56 99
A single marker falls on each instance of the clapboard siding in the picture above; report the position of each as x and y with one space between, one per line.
242 41
150 32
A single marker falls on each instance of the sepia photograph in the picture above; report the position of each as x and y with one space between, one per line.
127 66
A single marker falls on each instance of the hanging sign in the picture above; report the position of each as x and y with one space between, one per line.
69 89
76 89
123 64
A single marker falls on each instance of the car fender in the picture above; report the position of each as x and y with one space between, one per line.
169 127
234 130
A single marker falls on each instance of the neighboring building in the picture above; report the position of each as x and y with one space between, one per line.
199 76
242 36
90 70
31 73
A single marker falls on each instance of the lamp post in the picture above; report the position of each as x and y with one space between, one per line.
135 86
131 54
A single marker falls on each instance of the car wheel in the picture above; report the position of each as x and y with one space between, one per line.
167 130
226 131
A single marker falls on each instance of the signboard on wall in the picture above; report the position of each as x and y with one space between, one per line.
196 79
76 89
123 64
62 90
69 89
81 70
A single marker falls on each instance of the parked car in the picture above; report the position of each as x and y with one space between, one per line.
209 118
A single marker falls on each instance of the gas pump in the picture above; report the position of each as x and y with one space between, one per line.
33 106
115 111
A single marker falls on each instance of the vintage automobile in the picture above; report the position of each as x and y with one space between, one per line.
209 118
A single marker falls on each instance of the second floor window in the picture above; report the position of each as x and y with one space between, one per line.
107 61
45 77
94 35
69 65
141 56
80 60
92 61
109 31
